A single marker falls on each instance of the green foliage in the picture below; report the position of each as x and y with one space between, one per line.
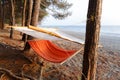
57 8
61 4
61 15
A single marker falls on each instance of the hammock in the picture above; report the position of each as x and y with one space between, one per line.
50 51
47 49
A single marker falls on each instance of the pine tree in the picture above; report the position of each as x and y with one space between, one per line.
92 40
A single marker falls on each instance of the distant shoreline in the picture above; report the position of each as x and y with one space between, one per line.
109 42
81 28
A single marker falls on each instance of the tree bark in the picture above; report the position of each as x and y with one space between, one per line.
23 13
27 12
24 19
12 17
92 40
30 7
12 12
0 13
35 12
3 14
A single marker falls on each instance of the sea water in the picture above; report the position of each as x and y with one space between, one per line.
108 30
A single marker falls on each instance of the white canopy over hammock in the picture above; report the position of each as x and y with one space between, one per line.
44 33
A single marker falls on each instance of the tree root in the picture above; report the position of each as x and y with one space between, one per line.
8 72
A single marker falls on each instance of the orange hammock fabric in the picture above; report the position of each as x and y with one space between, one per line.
50 51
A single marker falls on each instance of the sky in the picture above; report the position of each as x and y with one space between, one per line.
110 14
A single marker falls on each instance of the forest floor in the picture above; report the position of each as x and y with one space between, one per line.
18 65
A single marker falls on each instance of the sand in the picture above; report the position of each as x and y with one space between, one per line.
108 59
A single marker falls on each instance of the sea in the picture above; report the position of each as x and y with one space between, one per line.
109 34
109 30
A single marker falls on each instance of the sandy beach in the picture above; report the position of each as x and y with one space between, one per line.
108 58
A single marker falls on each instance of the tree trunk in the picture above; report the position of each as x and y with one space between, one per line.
92 40
34 19
12 17
35 12
28 18
23 13
0 13
3 14
30 7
